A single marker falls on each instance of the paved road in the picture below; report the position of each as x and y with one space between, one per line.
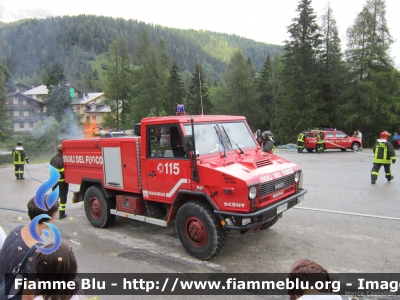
345 224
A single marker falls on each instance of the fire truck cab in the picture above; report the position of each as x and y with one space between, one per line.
207 173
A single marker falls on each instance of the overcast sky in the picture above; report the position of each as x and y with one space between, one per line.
260 20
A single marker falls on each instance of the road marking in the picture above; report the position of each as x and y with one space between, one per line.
348 213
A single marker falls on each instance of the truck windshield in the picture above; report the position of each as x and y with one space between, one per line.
239 135
207 140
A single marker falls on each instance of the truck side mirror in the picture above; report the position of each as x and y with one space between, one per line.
188 142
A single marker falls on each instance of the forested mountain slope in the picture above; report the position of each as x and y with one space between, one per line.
27 47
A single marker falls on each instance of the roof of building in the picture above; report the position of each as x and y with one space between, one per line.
98 108
20 84
25 96
39 90
87 98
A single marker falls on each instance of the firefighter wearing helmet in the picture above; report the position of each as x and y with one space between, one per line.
384 155
267 142
300 142
19 158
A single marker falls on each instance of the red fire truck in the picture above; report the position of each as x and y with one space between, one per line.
205 172
333 139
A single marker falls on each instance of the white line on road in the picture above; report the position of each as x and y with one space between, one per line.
348 213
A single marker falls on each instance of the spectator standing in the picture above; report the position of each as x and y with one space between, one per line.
384 155
359 135
396 141
19 157
58 163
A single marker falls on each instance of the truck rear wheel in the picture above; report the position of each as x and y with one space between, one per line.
270 223
97 208
199 231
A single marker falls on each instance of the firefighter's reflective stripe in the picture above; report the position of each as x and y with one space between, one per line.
381 154
61 171
62 207
18 158
300 138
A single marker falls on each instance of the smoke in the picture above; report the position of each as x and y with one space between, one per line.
48 128
70 129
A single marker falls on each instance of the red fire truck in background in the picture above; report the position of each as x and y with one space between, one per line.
333 139
205 172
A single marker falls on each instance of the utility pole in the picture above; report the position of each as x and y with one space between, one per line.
201 94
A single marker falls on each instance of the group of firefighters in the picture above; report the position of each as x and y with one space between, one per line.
320 140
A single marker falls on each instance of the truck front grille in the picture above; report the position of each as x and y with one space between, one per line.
276 185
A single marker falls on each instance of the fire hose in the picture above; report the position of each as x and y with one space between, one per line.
24 211
26 168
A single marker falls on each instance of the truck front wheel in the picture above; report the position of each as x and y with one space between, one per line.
199 231
97 208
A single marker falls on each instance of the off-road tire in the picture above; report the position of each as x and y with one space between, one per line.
309 150
208 236
97 207
270 223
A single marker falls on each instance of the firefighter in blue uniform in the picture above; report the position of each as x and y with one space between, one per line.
58 163
384 155
19 157
300 143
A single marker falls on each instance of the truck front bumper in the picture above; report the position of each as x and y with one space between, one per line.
247 221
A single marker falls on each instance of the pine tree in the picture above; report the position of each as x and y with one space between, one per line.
371 100
199 102
266 99
58 101
299 104
5 124
150 90
332 70
118 86
240 89
176 91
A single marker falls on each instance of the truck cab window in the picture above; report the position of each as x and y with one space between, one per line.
165 141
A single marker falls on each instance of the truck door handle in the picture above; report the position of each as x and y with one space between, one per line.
151 174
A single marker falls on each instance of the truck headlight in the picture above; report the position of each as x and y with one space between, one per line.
298 179
252 192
